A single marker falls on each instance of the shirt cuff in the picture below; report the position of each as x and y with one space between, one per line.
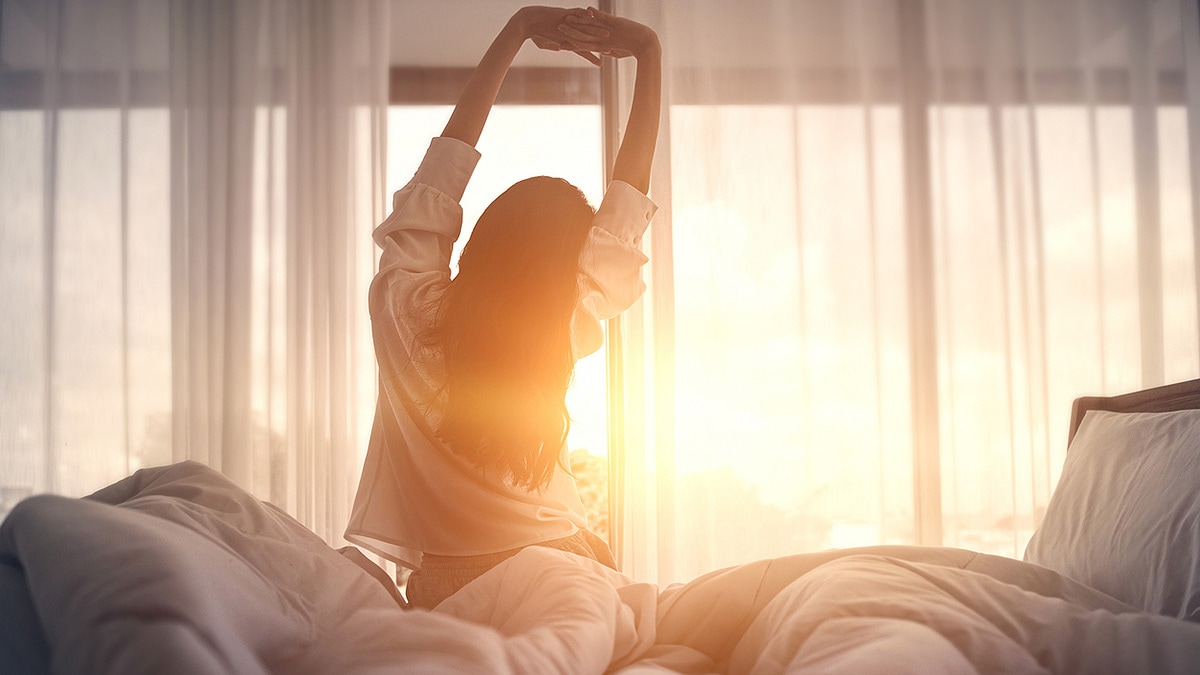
447 166
625 212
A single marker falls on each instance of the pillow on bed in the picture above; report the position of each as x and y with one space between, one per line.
1125 517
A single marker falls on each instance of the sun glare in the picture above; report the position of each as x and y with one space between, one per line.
520 141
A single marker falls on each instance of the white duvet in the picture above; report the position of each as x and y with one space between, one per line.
189 574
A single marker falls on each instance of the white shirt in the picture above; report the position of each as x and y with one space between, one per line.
416 495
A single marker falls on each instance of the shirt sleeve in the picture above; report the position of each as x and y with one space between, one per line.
610 264
417 240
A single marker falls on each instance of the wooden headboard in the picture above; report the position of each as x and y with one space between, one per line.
1178 396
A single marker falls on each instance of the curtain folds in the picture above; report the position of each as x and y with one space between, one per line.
902 236
186 195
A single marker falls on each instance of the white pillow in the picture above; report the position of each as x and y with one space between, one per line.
1125 517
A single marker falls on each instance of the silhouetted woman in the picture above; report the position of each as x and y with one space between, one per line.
466 460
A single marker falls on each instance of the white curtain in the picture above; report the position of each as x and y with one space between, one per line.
187 191
898 237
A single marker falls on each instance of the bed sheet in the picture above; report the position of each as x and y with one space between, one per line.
178 570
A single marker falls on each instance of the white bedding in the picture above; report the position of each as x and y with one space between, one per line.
192 575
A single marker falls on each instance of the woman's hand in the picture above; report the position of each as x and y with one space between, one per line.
549 29
596 31
544 26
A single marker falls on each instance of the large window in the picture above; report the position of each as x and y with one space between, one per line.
902 237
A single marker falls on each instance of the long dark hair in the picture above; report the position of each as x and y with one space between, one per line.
504 329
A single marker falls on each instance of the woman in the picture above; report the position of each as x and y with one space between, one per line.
466 460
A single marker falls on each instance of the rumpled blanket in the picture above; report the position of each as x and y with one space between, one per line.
176 569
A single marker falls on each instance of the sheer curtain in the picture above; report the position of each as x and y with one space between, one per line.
186 196
897 239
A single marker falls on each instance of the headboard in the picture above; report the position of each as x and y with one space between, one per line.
1178 396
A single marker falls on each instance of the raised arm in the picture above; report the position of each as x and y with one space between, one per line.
541 24
618 37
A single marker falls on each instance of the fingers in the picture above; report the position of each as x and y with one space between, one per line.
556 46
599 32
589 20
577 30
585 19
587 32
584 37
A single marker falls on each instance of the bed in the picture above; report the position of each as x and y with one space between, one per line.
177 569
